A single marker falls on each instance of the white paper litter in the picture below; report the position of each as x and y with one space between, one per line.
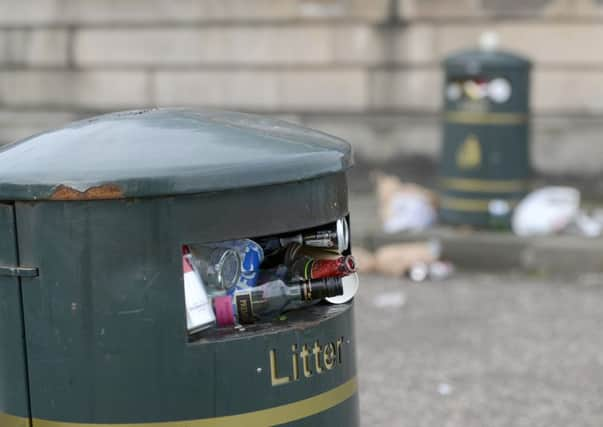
409 212
444 389
389 300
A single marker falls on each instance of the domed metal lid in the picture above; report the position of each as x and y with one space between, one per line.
162 152
485 59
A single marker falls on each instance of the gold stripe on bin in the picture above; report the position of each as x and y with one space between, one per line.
483 118
7 420
484 185
266 417
468 205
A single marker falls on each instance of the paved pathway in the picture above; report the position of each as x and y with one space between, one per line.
481 350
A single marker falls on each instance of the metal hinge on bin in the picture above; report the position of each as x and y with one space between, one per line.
19 271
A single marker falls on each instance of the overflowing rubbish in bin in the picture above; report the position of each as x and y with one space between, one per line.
246 281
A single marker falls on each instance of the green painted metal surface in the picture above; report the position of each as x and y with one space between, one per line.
165 152
105 323
485 159
106 320
13 375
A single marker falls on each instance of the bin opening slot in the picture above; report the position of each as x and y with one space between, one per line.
232 283
480 88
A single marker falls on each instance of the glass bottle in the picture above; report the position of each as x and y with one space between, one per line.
272 298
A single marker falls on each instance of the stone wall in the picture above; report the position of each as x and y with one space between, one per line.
366 70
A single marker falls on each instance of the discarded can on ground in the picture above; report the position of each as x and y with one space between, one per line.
440 270
436 270
419 272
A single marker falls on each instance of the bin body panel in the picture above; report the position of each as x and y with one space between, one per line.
499 170
14 406
485 150
116 350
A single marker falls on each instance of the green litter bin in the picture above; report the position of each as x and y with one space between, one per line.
484 163
93 328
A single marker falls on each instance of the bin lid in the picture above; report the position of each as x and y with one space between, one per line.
485 59
160 152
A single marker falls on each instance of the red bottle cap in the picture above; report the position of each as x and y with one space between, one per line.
186 265
350 264
223 310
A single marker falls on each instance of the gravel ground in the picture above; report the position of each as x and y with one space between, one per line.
481 350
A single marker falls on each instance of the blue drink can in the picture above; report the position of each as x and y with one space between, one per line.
251 255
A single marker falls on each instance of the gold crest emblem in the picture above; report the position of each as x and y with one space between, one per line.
469 154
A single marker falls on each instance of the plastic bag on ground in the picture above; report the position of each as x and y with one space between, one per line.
546 211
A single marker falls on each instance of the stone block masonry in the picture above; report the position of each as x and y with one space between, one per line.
366 70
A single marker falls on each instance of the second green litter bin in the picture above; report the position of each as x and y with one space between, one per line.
485 164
